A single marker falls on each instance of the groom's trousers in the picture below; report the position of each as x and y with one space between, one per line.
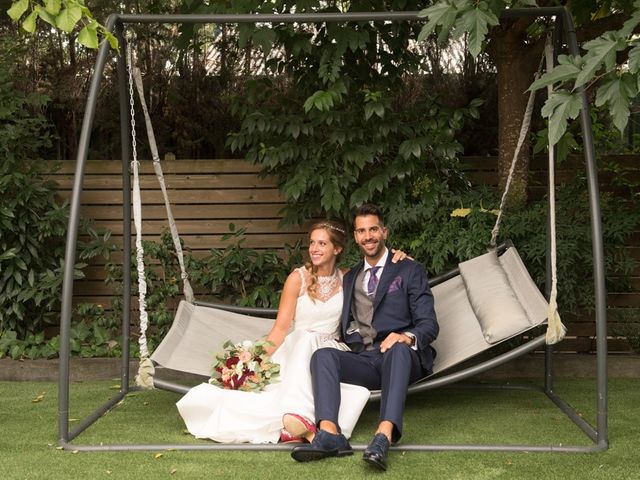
391 372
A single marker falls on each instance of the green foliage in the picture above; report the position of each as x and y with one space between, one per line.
344 128
433 227
438 231
606 140
33 226
244 276
33 346
616 92
452 19
65 15
560 107
574 254
92 332
626 323
235 275
33 223
617 84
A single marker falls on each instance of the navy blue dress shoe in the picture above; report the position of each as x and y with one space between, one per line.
324 445
376 452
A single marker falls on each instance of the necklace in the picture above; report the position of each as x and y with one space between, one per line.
327 284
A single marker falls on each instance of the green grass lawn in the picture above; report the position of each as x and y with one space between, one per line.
28 450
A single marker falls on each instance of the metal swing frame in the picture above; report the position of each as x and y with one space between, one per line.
563 30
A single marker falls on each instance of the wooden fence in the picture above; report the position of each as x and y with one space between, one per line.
208 195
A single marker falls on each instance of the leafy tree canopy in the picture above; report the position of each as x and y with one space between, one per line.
65 15
610 64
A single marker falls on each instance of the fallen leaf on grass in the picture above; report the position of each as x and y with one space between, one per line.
39 398
158 455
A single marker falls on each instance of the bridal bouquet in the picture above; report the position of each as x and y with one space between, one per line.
244 366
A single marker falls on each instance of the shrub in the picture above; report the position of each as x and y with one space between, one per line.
33 222
245 276
334 119
235 275
442 227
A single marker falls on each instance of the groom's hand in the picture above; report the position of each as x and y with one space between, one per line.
394 338
399 255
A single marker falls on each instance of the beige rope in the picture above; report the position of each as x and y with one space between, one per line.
186 285
524 128
555 329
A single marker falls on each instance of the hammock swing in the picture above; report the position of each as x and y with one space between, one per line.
469 323
486 301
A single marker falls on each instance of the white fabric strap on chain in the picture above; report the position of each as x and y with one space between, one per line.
144 378
555 329
186 285
137 220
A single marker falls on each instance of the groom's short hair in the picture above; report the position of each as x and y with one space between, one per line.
369 209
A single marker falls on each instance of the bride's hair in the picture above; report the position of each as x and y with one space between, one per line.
337 235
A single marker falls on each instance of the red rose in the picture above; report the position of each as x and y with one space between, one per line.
231 361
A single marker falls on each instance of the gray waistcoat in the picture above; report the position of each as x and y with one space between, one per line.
362 312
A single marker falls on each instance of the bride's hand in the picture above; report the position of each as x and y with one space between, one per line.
399 255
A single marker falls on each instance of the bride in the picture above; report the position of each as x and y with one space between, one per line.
308 318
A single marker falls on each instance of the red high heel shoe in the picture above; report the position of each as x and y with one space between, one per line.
286 437
299 426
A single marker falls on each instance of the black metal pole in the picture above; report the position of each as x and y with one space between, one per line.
597 249
274 18
72 241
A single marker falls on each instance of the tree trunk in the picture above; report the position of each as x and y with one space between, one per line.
516 64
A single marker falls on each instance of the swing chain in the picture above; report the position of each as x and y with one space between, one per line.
132 111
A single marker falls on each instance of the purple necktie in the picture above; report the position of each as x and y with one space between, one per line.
373 281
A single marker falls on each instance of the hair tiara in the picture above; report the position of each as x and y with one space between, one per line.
331 227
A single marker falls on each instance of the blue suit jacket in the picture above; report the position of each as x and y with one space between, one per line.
403 303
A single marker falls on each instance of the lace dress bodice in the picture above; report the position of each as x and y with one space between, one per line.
317 315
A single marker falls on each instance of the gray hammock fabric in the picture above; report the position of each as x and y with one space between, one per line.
491 300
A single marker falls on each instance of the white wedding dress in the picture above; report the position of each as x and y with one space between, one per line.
232 416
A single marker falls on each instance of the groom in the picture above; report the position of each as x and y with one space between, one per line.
389 322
